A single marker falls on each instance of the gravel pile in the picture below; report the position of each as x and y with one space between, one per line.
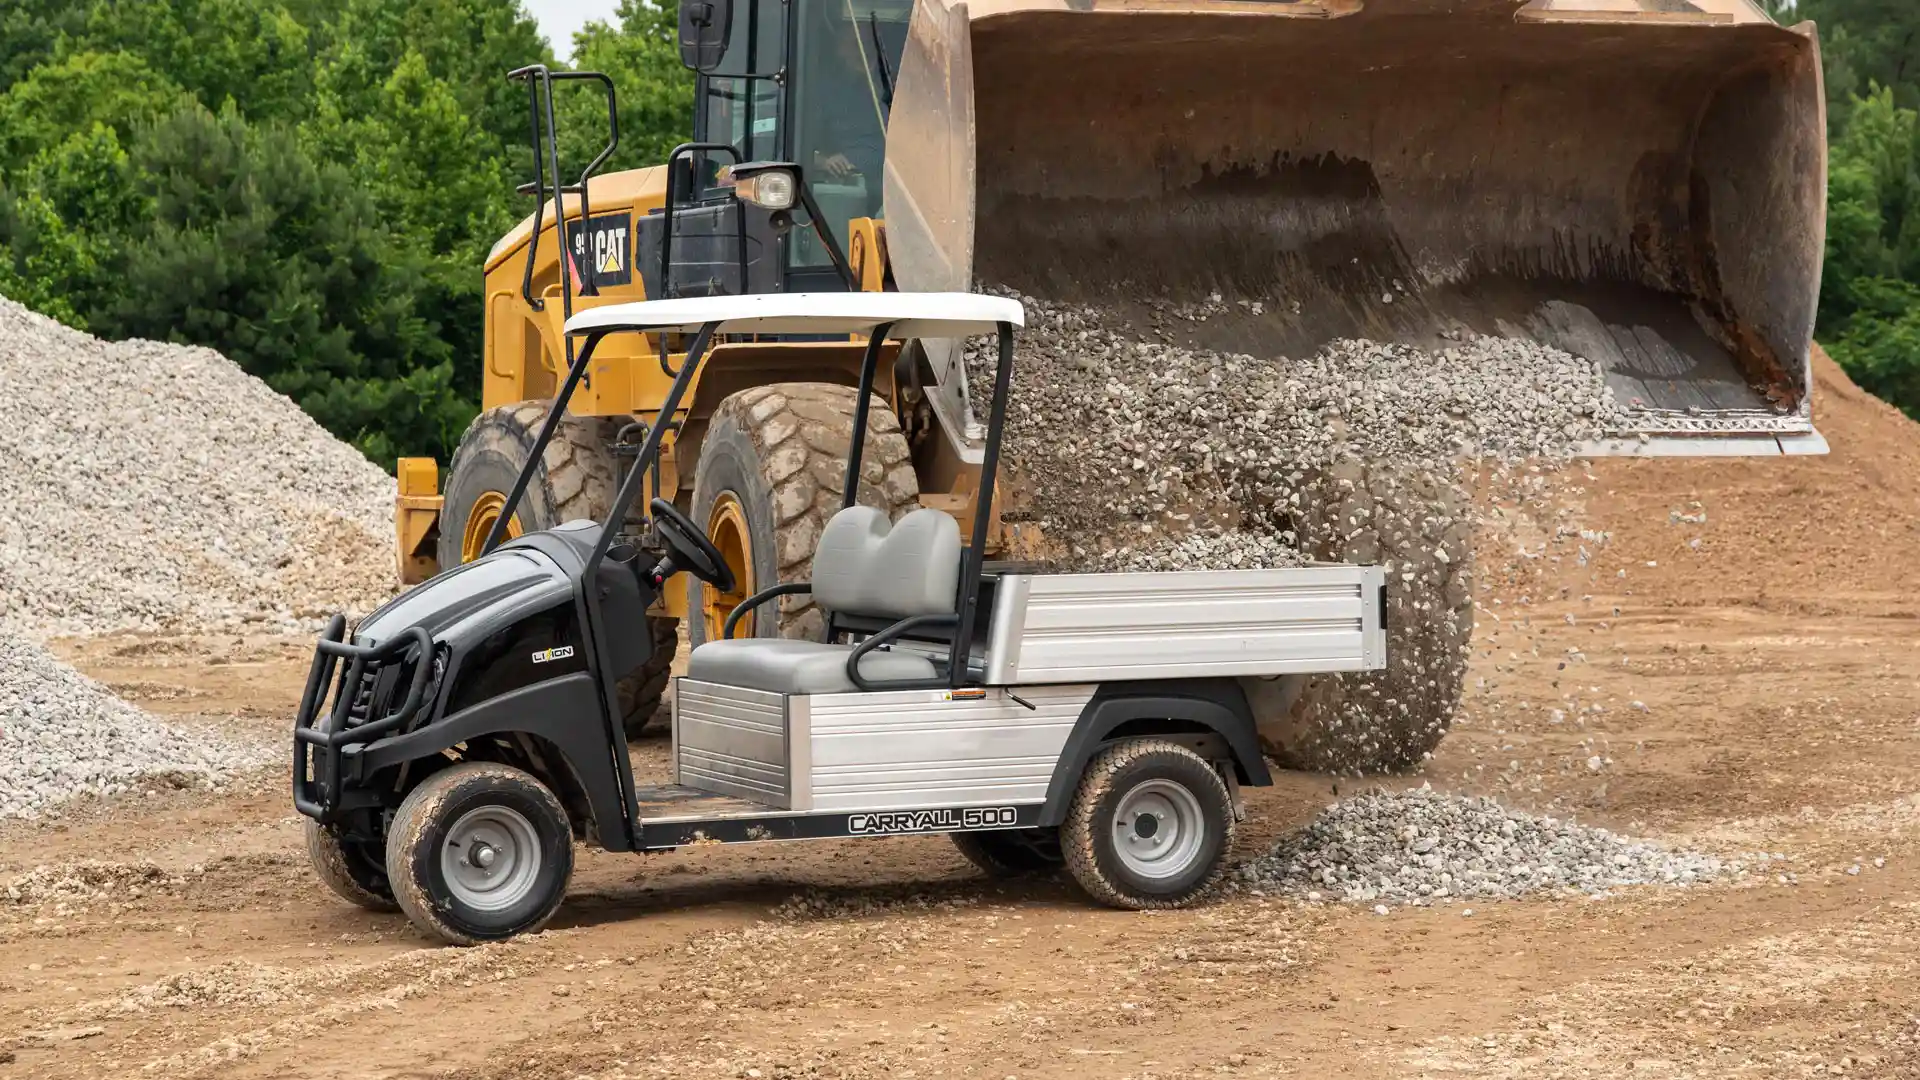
77 886
1421 847
151 486
62 734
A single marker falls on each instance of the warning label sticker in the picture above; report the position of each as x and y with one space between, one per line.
603 251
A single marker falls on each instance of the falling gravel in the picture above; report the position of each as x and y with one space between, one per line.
1128 451
152 486
1422 847
62 735
1141 454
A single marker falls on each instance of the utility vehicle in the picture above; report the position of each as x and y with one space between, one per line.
452 750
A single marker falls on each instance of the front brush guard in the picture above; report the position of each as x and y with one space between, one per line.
317 778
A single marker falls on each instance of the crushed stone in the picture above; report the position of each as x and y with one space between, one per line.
63 734
1421 847
152 486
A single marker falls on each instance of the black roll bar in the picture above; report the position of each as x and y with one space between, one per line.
967 596
547 427
857 444
649 450
968 601
540 79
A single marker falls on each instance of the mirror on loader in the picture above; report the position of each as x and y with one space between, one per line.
705 26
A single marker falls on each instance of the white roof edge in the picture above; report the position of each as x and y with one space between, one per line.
915 314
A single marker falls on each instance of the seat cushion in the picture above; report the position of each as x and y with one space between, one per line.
787 666
866 565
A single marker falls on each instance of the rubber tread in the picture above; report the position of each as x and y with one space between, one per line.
330 863
800 437
1078 833
413 825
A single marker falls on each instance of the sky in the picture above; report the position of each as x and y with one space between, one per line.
558 19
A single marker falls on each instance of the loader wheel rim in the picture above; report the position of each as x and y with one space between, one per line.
1158 829
486 511
491 859
727 528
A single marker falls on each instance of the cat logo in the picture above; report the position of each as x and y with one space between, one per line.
558 652
601 250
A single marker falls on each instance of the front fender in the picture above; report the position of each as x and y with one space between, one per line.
564 711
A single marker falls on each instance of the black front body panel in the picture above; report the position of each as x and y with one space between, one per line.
541 646
510 654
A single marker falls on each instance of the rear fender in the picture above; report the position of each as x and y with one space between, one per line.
1215 710
563 713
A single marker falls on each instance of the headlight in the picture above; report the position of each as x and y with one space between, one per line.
772 189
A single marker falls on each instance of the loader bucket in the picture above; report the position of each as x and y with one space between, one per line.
1639 182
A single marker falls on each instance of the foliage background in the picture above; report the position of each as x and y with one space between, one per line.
310 186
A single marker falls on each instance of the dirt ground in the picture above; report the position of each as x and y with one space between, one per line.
1753 692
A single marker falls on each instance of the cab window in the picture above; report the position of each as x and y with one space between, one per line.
848 55
740 103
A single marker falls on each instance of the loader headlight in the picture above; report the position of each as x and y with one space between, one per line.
763 184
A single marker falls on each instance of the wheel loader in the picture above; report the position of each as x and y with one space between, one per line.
1638 182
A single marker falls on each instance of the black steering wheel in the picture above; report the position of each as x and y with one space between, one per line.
688 547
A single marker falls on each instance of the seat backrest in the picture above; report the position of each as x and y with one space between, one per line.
865 565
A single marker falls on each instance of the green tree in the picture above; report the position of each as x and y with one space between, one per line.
1866 43
74 94
282 263
654 90
468 44
63 226
30 31
1869 299
251 53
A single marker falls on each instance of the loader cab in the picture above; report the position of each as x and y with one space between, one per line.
804 81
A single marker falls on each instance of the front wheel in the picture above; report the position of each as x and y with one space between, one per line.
353 869
480 852
1151 826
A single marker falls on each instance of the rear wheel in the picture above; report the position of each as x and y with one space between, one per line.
1013 853
576 480
356 871
772 468
1151 826
480 852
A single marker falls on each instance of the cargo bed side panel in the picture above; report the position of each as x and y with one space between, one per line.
1052 628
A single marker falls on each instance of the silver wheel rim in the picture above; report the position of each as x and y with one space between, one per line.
491 858
1158 829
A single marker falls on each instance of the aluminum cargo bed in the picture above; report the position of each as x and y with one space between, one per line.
1063 628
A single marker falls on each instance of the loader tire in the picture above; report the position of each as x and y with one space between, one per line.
577 480
771 472
1417 523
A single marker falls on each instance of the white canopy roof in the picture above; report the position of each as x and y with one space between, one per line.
914 314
